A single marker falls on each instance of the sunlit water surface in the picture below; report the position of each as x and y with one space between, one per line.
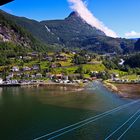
28 113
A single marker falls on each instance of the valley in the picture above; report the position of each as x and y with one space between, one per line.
69 74
34 52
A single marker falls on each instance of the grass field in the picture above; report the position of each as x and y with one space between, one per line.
131 77
121 73
89 67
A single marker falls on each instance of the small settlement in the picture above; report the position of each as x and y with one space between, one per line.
62 67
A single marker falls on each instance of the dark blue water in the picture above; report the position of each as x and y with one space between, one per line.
28 113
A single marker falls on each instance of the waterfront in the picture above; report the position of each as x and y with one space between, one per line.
129 90
28 113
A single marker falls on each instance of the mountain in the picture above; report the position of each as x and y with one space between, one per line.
11 32
71 28
56 31
32 26
72 32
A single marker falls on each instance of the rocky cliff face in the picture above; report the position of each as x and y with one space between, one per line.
7 34
12 32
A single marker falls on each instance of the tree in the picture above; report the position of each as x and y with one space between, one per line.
133 61
64 71
77 59
80 70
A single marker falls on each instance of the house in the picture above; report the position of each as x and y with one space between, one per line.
39 75
11 75
20 57
116 75
87 79
12 82
53 66
94 78
94 73
73 53
49 58
61 57
77 81
15 69
74 76
33 76
36 67
66 81
65 78
116 79
33 54
50 76
1 81
19 74
27 75
26 69
87 57
27 58
58 76
56 65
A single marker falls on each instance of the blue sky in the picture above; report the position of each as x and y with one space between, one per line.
122 16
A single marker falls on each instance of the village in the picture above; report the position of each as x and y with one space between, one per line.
65 67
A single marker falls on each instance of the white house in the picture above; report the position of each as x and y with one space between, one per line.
32 76
38 75
11 75
1 81
15 69
35 67
26 68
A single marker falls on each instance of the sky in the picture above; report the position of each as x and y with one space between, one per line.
118 16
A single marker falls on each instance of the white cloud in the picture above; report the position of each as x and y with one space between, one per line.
132 34
80 7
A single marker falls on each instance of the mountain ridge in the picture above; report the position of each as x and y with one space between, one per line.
72 32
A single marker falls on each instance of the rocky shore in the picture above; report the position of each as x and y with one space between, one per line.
124 90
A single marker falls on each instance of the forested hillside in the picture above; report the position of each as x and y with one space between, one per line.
72 32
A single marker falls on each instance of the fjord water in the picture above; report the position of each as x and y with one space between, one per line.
28 113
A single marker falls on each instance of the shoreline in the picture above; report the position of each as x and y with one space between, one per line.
64 86
70 86
129 90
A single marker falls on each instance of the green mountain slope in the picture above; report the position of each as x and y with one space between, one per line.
72 32
11 32
38 30
71 28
